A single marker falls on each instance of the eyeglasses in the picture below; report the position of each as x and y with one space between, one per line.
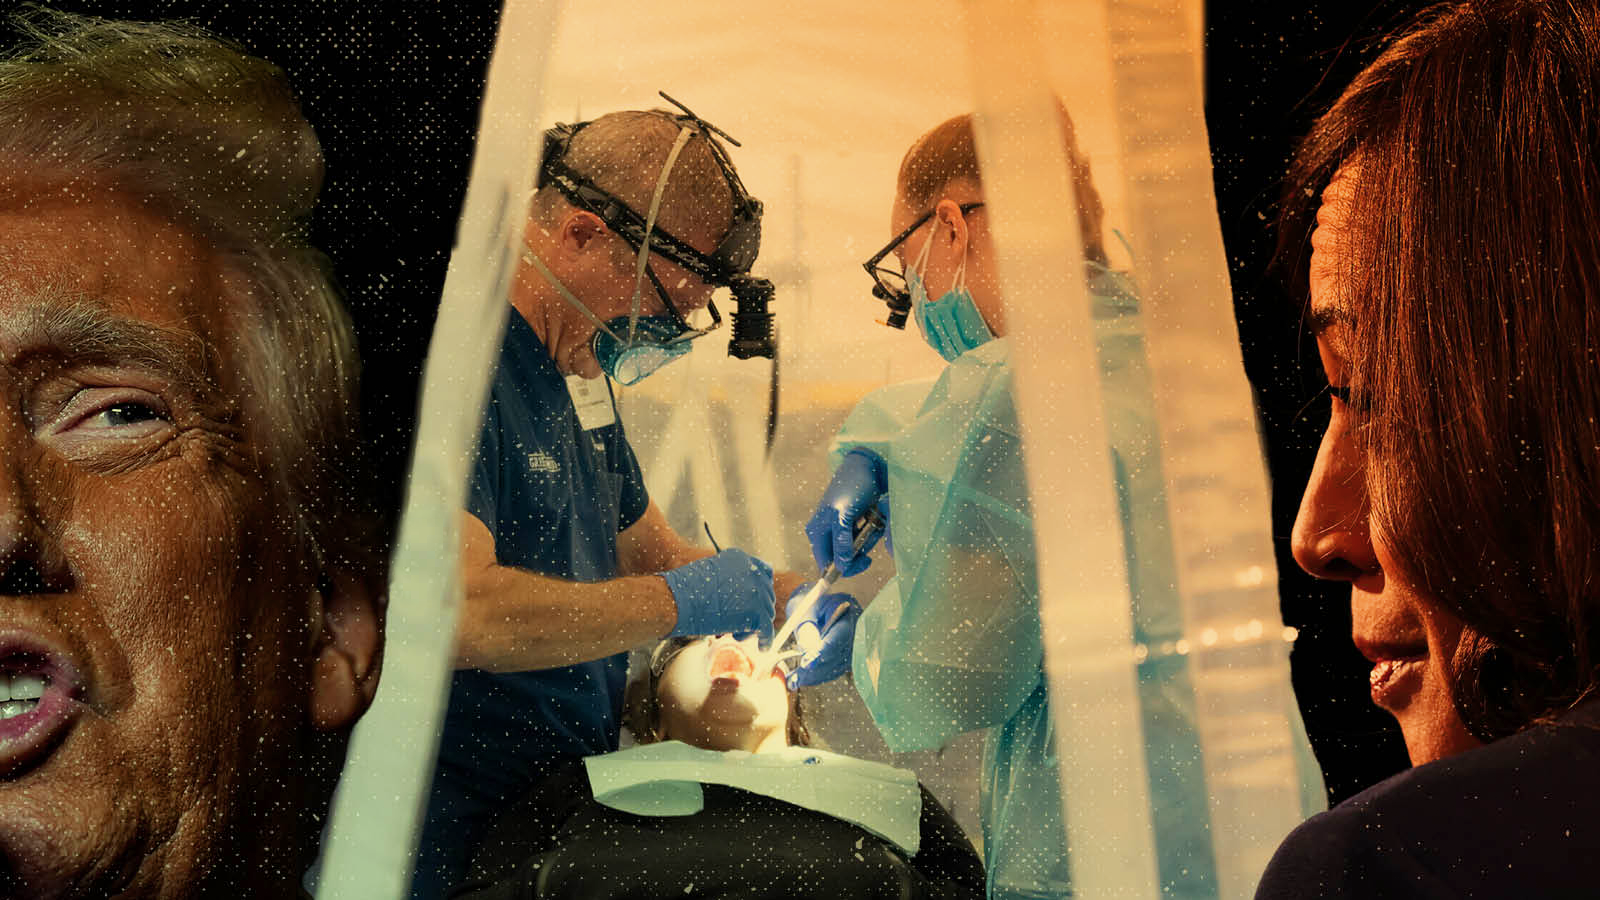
889 285
689 331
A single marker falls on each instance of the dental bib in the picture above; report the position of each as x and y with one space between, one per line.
664 779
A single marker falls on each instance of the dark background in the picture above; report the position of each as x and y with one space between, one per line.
393 89
1271 67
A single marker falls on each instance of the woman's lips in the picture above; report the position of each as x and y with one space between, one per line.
29 734
1398 662
1393 681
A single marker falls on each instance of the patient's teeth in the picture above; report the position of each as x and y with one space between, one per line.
27 687
12 708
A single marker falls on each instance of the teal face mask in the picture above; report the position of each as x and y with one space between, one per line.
656 342
951 324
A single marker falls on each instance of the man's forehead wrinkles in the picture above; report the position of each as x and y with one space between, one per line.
78 327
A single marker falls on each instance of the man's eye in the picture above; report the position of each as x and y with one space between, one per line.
98 419
128 413
118 411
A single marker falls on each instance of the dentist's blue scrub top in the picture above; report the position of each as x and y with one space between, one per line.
555 488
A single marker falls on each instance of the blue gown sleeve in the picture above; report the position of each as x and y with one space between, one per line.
952 644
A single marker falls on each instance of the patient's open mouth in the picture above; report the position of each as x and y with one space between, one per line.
41 690
729 661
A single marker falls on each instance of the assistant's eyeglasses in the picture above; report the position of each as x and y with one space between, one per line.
888 284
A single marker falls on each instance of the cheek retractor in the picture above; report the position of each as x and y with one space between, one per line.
807 637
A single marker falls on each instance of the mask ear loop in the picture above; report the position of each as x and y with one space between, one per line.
555 282
960 283
684 133
919 264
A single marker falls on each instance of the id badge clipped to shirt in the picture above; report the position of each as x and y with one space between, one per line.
592 400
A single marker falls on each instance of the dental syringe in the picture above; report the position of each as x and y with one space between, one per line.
807 636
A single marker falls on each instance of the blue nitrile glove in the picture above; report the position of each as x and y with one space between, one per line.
861 480
837 627
728 592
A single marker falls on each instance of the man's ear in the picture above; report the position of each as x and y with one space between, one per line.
578 228
346 649
952 225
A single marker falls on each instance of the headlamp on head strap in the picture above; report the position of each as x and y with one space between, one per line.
728 265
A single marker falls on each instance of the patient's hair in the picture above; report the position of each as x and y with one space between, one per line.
1472 261
189 125
641 706
949 153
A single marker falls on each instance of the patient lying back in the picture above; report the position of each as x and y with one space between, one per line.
723 796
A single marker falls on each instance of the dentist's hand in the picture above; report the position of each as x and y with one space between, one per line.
860 483
728 592
831 626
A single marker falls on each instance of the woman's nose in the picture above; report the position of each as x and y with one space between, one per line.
1332 533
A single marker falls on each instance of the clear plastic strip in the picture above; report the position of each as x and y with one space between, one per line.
1218 503
684 134
384 788
1083 582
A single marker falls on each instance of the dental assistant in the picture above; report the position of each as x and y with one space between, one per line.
566 562
952 643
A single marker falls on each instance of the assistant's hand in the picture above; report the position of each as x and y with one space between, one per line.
833 618
728 592
860 482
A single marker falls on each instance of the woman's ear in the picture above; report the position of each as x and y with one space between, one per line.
346 649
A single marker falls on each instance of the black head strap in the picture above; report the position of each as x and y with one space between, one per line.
733 256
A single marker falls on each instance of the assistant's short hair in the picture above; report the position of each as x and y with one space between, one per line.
623 153
949 153
1472 269
212 138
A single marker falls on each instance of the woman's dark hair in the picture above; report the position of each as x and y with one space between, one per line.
641 705
1472 267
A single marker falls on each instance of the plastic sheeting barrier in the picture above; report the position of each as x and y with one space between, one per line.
378 808
826 97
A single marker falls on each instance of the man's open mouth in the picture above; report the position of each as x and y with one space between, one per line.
23 696
42 689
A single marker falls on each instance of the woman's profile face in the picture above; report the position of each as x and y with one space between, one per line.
711 696
1409 638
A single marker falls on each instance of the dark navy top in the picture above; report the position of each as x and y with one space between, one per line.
555 496
1515 818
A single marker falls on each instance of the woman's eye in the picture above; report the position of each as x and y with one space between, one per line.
1358 404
